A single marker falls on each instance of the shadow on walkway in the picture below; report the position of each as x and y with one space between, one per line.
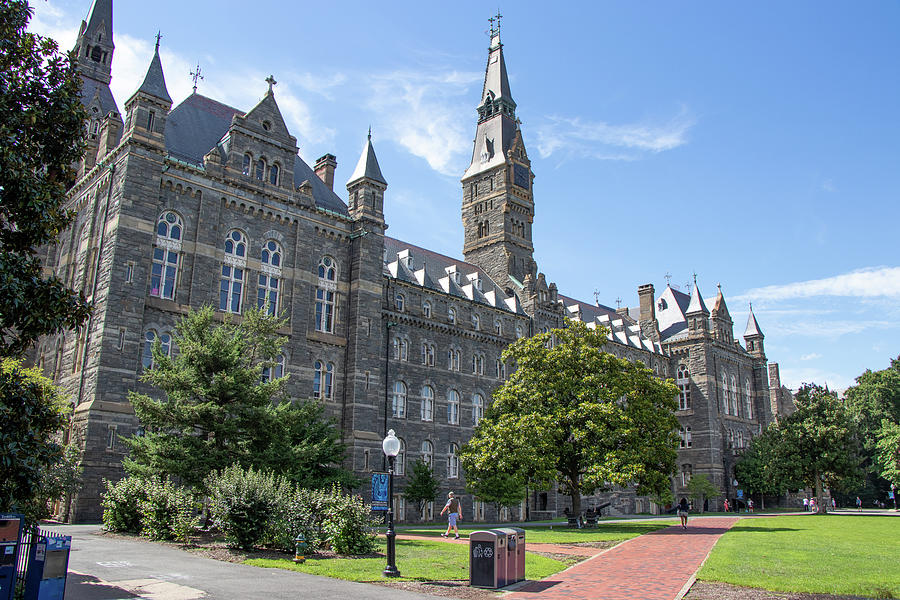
88 587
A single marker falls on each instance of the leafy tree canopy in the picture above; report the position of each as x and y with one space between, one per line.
888 452
579 416
42 132
700 488
33 413
758 470
498 488
421 485
219 410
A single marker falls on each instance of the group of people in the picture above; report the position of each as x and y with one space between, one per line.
728 507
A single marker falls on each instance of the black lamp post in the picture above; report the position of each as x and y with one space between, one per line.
391 447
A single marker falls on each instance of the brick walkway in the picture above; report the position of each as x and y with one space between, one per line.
551 548
654 566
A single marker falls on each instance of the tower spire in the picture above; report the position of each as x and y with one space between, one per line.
94 47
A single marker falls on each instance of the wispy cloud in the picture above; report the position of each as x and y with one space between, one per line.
605 141
871 282
795 377
425 112
811 356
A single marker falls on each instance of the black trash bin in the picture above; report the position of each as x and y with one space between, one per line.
487 559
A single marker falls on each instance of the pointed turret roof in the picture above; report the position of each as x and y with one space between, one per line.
367 167
496 81
101 14
752 326
155 82
720 309
696 304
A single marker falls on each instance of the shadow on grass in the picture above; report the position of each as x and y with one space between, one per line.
693 530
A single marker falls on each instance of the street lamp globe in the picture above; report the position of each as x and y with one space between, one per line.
391 445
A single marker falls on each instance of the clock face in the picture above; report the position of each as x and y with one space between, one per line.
521 176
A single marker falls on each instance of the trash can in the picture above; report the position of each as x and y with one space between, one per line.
10 538
515 554
47 567
487 559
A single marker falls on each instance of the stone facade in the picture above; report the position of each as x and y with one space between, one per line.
205 204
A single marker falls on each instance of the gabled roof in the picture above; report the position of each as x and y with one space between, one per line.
418 266
696 304
154 81
91 88
621 330
720 309
671 307
752 326
367 166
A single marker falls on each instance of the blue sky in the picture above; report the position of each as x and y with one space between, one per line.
756 144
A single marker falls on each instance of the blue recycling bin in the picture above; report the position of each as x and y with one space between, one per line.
48 564
10 541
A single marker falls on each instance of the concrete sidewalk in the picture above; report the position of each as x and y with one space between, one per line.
111 568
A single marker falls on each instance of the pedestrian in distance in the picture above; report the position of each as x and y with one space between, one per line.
833 503
454 510
805 504
858 504
726 504
683 512
749 505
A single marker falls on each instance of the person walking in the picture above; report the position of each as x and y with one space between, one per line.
858 504
683 512
726 504
805 504
750 505
454 510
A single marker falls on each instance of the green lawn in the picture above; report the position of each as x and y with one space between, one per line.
566 535
417 559
825 554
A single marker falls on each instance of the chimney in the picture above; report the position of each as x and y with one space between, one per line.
325 170
647 318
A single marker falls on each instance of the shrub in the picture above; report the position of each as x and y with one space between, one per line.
167 511
303 512
246 505
348 524
121 504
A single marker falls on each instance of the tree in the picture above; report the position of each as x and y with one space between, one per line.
818 444
888 456
498 488
422 486
573 414
700 488
42 132
757 469
875 403
34 413
218 410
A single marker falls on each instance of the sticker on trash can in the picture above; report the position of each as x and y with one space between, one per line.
482 551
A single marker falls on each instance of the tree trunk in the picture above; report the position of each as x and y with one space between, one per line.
820 504
576 504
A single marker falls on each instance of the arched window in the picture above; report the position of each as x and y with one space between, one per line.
426 309
451 315
325 295
428 453
685 435
748 398
453 462
399 302
322 380
725 392
273 174
232 283
498 327
453 359
732 393
477 408
428 354
478 364
275 372
400 460
401 348
398 401
164 270
245 169
269 277
519 331
453 407
731 438
686 472
260 169
683 381
476 321
740 439
501 369
165 343
427 403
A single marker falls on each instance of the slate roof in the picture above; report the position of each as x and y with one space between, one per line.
91 87
697 304
418 266
621 330
154 81
101 12
752 325
198 124
367 167
671 307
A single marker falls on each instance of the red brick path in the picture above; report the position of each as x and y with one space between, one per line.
654 566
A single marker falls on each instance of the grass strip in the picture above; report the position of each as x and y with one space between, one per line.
820 554
604 532
419 560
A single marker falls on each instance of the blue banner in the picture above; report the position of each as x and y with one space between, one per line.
379 491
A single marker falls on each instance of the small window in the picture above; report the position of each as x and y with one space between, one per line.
129 272
245 169
453 407
498 327
111 435
399 301
120 344
273 175
426 309
476 322
150 117
453 462
322 380
428 453
451 315
260 169
427 412
519 331
477 409
398 403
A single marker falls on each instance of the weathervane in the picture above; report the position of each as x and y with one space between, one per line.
271 81
195 75
597 297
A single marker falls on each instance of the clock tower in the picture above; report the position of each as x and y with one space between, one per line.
498 205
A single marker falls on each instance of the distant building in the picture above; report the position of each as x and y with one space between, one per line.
204 204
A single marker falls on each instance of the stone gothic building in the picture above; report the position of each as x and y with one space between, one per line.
206 204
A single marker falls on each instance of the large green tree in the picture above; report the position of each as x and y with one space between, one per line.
818 445
700 488
888 453
875 403
217 409
575 415
33 414
41 136
758 470
421 486
497 488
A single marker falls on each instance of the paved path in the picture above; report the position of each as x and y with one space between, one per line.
570 549
654 566
112 568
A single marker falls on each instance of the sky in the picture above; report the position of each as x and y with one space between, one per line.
756 145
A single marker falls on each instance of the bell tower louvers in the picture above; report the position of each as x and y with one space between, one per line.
498 205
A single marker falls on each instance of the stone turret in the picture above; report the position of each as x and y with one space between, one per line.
754 337
367 185
148 107
697 314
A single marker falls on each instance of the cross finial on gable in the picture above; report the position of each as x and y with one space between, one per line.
195 75
668 277
158 37
271 81
495 20
618 303
370 133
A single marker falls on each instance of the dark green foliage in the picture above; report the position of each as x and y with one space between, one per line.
574 414
421 485
42 133
62 479
888 453
167 511
33 414
700 488
875 403
304 512
758 470
121 503
244 504
348 525
499 489
217 412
